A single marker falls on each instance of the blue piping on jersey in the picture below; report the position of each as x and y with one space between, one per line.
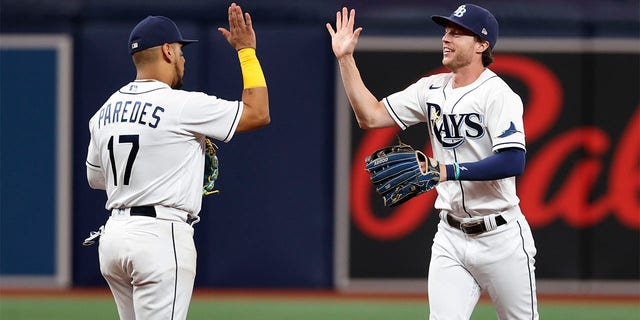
455 156
531 293
234 121
175 283
395 115
93 165
136 93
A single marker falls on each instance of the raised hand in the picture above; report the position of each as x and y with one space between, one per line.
344 38
240 34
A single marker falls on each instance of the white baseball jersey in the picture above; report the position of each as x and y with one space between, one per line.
147 144
465 124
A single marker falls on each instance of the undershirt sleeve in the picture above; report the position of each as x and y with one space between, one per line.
505 163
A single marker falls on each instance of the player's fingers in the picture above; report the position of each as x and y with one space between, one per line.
356 33
239 16
233 23
232 20
330 29
345 17
247 19
225 33
352 18
338 20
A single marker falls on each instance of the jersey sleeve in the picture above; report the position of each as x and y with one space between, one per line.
95 174
405 106
211 116
504 121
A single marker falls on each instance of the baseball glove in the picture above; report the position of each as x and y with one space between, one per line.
210 168
400 173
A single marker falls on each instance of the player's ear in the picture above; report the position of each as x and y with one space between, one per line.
481 46
167 52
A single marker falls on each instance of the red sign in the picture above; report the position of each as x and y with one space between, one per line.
574 199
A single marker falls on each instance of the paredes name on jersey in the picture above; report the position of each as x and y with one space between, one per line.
140 112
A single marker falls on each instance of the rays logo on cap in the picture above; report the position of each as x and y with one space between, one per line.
476 19
460 11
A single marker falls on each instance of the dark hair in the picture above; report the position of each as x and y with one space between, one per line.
487 55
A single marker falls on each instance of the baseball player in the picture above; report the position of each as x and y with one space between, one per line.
147 151
475 126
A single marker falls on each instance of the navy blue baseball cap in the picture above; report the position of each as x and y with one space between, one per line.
475 19
155 31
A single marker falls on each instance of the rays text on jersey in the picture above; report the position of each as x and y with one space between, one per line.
140 112
451 130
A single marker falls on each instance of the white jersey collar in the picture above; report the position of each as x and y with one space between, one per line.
143 86
486 74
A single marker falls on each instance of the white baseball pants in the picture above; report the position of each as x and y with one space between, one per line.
499 262
150 266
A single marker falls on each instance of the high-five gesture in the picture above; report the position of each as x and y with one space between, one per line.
240 34
255 96
369 112
344 38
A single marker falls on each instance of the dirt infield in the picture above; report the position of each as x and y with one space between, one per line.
296 294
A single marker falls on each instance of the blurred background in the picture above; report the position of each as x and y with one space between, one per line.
289 214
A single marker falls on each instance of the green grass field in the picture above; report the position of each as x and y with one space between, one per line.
309 308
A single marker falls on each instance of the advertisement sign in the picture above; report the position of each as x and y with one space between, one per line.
579 190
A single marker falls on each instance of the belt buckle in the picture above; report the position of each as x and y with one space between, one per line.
468 227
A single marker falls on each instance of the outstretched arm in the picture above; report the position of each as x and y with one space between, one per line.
369 112
255 95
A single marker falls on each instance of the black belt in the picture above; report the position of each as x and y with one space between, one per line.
150 211
474 227
147 211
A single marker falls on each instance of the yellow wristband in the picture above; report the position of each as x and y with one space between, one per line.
251 71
